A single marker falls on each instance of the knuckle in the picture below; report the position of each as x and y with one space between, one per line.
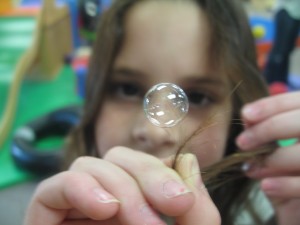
81 162
148 166
115 152
69 177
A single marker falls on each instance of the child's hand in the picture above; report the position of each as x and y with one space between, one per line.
272 119
125 187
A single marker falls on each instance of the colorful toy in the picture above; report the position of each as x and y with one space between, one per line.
84 16
80 66
259 32
263 30
89 12
43 58
5 6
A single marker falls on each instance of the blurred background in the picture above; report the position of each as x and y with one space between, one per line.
44 53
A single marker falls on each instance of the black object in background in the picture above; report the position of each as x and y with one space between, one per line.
24 151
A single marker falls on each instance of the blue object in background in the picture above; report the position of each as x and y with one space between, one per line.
37 3
106 4
73 7
30 3
294 82
268 25
81 73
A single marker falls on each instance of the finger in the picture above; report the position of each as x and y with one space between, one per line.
270 106
281 126
162 186
169 161
284 161
134 208
57 195
281 187
203 211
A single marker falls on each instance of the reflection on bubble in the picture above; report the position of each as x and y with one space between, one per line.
165 105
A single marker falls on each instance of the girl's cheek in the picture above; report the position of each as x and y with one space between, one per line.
209 143
105 126
113 126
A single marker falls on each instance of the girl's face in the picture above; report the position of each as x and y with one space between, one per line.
166 42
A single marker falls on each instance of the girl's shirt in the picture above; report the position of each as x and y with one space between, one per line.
261 205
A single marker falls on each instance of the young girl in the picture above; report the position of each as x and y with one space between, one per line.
132 172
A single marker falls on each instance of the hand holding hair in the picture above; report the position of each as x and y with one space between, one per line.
271 119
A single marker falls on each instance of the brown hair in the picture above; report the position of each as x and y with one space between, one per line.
232 47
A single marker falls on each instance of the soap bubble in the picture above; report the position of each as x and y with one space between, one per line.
165 105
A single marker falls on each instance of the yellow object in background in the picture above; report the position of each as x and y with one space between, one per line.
6 5
259 32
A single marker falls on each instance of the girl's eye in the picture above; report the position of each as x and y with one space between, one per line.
198 99
126 90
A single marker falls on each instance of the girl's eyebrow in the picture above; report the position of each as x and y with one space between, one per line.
126 72
204 80
194 79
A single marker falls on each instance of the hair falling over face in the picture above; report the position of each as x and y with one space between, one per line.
232 48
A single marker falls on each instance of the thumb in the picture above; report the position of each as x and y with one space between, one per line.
204 211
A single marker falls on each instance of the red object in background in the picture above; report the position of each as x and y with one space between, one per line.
81 61
262 50
278 88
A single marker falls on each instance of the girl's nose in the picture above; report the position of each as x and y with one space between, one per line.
151 138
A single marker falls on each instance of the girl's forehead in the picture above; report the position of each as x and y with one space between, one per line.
166 38
171 24
163 16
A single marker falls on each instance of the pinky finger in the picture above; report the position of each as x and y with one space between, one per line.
281 187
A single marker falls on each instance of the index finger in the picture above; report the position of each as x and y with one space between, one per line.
270 106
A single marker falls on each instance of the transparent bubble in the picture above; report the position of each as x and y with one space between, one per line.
165 105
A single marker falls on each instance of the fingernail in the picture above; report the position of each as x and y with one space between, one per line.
172 189
104 197
245 140
250 112
150 216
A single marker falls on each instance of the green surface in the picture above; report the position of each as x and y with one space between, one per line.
35 100
16 34
49 143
